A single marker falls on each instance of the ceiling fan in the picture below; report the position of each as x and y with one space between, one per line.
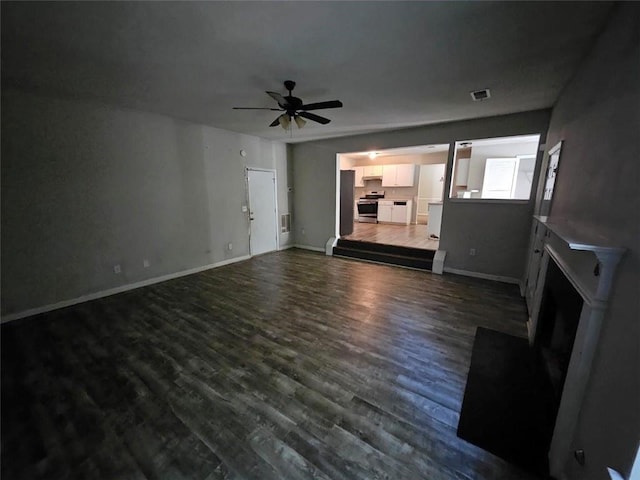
294 109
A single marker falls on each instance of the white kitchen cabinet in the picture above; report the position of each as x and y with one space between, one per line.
462 172
405 175
398 211
385 209
398 175
400 214
359 175
372 170
389 175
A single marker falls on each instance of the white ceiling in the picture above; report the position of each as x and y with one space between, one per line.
392 64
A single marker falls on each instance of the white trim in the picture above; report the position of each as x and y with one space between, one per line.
309 247
113 291
286 247
575 279
328 248
437 265
614 475
555 148
485 276
336 233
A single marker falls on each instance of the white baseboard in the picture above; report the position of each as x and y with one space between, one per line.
113 291
286 247
485 276
309 247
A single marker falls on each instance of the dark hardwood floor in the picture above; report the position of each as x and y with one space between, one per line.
290 365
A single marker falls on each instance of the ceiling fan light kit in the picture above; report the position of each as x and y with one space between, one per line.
295 109
284 121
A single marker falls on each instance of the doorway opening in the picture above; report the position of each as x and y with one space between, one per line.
397 196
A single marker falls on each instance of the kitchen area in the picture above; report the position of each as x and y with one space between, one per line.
397 195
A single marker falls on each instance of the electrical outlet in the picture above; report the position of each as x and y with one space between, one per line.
117 269
230 246
303 231
244 208
145 263
472 252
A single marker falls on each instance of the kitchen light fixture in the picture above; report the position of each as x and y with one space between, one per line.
372 155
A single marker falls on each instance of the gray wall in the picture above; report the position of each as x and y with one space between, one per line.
598 117
500 233
86 186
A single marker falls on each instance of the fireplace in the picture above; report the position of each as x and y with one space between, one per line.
560 309
570 276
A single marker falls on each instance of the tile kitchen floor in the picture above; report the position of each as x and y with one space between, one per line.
414 236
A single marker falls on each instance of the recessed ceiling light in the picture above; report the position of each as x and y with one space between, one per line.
372 155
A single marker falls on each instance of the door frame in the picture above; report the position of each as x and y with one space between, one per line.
275 196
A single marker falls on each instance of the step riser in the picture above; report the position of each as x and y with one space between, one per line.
420 263
387 249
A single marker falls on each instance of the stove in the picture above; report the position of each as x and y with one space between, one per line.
368 207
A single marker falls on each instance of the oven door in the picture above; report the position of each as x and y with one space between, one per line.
368 209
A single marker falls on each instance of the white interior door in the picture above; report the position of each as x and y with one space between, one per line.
430 189
262 210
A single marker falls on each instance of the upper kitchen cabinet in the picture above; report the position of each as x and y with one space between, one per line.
398 175
372 171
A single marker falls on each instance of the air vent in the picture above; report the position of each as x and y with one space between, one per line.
480 95
285 223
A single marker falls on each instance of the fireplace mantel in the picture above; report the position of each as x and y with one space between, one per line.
588 259
581 243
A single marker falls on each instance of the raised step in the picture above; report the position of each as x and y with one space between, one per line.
391 254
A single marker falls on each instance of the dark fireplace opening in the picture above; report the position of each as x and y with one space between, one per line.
557 324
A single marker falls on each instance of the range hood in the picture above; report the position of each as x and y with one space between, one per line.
371 177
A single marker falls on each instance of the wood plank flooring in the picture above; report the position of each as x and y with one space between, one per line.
403 235
289 365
